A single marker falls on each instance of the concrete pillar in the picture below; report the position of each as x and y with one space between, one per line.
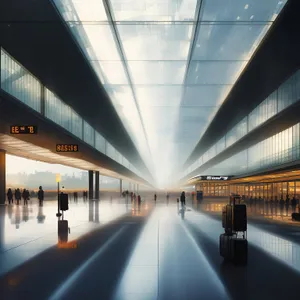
97 175
121 187
2 177
91 184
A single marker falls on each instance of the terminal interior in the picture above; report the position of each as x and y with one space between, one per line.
128 128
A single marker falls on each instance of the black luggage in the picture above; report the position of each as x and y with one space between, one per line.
64 201
295 216
233 248
227 218
240 217
239 250
63 231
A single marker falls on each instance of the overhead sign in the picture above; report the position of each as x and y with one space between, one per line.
23 129
209 177
66 148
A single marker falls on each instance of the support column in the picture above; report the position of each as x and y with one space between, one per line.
2 177
97 175
121 187
91 184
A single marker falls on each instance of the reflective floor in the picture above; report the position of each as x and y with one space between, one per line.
119 250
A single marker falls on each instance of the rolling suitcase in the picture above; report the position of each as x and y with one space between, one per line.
234 249
63 231
227 221
225 246
240 217
239 250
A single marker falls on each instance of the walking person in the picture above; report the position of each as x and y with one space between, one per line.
18 195
9 196
24 196
182 199
41 196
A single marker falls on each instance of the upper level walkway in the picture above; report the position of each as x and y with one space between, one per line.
129 251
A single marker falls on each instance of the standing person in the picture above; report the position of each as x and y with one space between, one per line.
272 205
18 196
27 196
9 195
41 196
182 199
287 204
168 196
276 205
24 196
155 197
139 199
294 204
281 205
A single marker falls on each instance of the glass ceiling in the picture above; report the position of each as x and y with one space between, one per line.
167 65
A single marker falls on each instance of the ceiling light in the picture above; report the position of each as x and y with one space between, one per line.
238 17
251 18
246 6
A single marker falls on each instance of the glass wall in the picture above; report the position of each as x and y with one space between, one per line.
100 142
280 148
263 112
18 82
287 94
88 134
237 132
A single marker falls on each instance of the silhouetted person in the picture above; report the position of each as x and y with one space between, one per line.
41 196
287 204
281 205
168 196
272 206
294 204
276 205
251 202
267 207
155 197
139 200
182 199
9 196
18 195
27 194
24 196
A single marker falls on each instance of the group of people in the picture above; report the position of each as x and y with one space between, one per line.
272 205
25 194
133 196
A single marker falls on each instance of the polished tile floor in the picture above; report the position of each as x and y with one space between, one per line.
127 251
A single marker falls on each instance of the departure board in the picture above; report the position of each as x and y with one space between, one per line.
66 148
23 129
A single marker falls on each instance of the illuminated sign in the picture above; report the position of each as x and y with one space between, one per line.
23 129
217 178
66 148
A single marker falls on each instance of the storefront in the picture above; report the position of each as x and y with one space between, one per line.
223 186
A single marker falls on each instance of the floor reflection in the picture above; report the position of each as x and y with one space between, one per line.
261 210
286 251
